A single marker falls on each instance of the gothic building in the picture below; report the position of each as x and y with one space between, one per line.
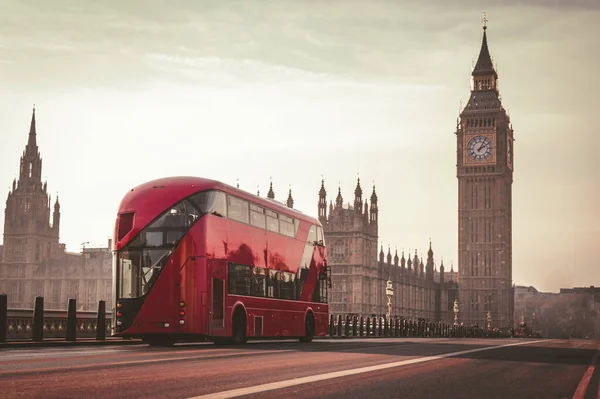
484 166
32 261
360 274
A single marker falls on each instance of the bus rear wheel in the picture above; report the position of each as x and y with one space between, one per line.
309 327
239 327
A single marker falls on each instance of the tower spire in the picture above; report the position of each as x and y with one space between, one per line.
290 200
484 65
32 143
322 204
271 193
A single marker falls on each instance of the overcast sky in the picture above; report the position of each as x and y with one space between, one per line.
126 92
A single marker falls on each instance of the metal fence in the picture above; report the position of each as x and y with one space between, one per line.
39 324
354 326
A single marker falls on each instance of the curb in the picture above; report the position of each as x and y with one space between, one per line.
64 343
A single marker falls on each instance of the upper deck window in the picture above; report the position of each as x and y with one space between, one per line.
257 216
211 202
312 234
238 209
320 236
286 226
272 221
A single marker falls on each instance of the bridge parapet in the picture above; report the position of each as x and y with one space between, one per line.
37 324
20 324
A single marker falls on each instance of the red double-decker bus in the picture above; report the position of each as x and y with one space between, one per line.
198 259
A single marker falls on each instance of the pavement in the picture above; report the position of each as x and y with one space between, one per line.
326 368
61 342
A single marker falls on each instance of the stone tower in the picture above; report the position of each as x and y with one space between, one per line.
484 160
351 232
29 238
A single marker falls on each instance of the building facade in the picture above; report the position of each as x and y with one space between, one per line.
32 260
360 273
484 160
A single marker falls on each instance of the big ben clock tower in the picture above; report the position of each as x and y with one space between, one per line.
484 166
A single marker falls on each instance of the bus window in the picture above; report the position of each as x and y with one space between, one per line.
301 276
296 226
287 285
312 235
237 209
320 237
286 226
239 279
257 216
272 221
212 202
258 282
320 292
273 282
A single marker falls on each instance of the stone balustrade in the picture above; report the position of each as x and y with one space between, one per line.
39 324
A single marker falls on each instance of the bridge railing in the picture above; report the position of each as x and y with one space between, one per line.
39 324
380 326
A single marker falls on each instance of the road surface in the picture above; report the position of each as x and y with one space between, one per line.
327 368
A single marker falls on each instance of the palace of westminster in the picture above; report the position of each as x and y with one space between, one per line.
33 262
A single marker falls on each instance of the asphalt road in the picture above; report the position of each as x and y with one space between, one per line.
353 368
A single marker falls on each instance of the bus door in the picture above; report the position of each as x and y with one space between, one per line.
216 296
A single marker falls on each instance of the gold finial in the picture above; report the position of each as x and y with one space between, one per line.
237 182
270 179
484 21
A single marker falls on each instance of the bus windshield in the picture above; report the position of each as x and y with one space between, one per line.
141 261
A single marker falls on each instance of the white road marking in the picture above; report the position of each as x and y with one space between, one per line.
344 373
584 384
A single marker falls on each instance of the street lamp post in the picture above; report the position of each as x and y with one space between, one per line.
489 320
389 292
456 311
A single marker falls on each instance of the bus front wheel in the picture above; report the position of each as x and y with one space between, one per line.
309 328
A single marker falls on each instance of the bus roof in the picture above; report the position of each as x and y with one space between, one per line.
178 187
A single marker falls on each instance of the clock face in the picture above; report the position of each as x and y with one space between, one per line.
480 148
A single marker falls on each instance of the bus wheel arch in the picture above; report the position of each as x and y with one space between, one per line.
239 325
309 327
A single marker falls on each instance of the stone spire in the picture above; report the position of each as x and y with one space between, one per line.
374 208
358 197
322 204
271 193
290 200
